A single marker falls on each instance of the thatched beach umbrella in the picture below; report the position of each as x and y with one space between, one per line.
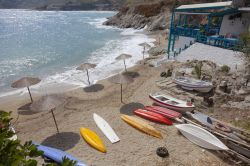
121 79
145 46
25 82
86 66
124 57
48 103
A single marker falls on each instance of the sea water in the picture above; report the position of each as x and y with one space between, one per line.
51 44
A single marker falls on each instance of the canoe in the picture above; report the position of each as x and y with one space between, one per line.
106 128
141 125
164 111
202 118
171 102
189 83
57 155
201 137
153 116
93 139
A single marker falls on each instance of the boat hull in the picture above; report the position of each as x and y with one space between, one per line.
153 116
201 137
176 108
106 128
164 111
56 154
193 84
93 139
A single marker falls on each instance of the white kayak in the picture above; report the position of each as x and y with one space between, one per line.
171 102
201 137
189 83
106 128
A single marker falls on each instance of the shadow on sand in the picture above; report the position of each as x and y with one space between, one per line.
128 109
25 110
93 88
63 141
131 74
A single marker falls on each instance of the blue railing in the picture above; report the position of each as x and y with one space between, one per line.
214 40
228 43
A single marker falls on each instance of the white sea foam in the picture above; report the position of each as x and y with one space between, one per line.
98 23
104 58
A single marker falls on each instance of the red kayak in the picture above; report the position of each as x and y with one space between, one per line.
163 111
152 116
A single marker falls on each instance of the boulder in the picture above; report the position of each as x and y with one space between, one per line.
155 51
247 99
158 23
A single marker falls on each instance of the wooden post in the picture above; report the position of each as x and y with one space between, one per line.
121 94
88 75
54 120
30 94
125 65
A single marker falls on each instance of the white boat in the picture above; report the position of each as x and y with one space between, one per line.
201 137
193 84
106 128
171 102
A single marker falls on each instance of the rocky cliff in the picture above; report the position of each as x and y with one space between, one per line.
153 14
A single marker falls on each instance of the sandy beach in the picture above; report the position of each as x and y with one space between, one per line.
135 147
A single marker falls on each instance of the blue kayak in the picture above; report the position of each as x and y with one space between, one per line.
57 155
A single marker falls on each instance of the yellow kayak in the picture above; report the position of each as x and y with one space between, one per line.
93 139
141 125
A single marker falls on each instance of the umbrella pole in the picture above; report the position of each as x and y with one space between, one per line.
54 120
30 94
125 65
88 75
121 93
143 54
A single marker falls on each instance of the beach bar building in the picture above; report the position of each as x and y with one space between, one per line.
219 24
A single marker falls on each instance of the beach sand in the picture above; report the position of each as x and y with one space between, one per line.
135 147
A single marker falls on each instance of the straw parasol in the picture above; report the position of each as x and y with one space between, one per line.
144 45
123 57
48 103
121 79
25 82
86 66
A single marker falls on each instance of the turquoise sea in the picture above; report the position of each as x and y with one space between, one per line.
51 44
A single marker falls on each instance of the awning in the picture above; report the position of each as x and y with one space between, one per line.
206 6
245 9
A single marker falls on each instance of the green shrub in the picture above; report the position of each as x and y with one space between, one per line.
13 153
198 70
245 41
225 68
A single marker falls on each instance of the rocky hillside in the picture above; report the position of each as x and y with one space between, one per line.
155 14
62 4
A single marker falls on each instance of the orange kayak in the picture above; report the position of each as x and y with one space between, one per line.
141 125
